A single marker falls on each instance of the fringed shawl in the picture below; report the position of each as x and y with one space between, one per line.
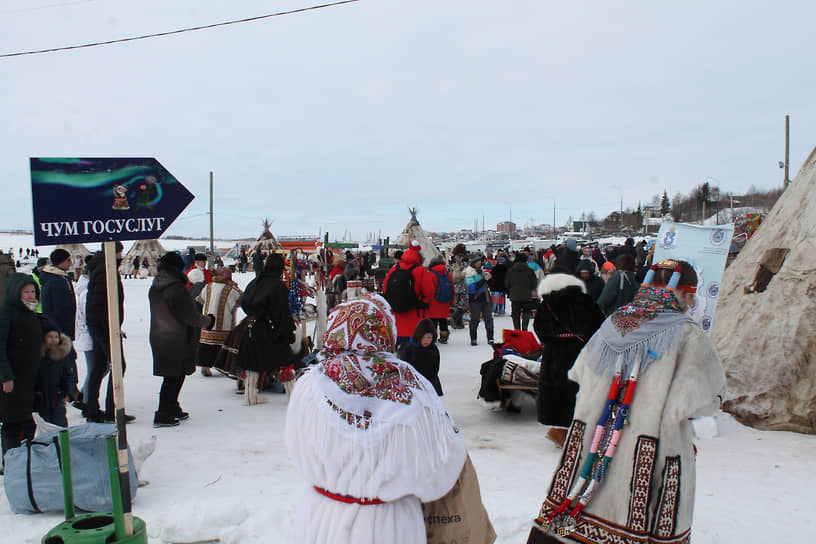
641 331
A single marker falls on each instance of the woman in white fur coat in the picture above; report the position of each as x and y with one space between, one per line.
627 472
369 435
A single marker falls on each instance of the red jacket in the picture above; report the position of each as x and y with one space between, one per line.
424 287
439 310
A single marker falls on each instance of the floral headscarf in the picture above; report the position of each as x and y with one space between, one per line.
362 380
364 325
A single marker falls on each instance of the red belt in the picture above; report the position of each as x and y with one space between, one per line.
346 499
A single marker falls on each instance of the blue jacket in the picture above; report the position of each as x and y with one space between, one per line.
476 285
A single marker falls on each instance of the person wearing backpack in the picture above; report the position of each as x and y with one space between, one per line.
621 287
409 289
439 308
481 306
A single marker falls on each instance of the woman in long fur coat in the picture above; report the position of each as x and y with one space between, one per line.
566 318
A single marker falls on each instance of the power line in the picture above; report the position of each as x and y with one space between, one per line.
158 34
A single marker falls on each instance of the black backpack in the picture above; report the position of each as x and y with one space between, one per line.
400 291
444 288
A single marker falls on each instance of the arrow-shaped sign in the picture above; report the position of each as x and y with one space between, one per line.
103 199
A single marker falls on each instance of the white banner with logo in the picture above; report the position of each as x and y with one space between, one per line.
706 249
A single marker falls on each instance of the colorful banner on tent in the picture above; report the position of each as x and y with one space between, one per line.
706 249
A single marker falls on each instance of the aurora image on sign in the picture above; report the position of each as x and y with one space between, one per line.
103 199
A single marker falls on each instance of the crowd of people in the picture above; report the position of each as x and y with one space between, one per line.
600 318
22 255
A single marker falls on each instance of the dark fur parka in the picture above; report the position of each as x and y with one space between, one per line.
565 320
270 328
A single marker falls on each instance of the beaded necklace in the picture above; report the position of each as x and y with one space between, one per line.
604 443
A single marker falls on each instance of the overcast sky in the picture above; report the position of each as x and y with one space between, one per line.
343 117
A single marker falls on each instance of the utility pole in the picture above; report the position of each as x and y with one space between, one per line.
787 150
212 245
553 226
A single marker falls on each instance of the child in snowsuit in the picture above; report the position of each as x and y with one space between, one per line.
421 352
57 382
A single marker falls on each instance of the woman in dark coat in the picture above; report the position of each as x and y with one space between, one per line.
174 324
565 320
20 345
265 346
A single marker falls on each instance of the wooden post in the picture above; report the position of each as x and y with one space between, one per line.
787 150
212 245
115 340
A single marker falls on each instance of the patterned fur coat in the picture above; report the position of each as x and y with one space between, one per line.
647 494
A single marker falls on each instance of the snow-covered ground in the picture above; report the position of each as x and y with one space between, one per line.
224 474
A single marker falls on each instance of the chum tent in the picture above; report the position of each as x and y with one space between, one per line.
414 231
766 316
150 249
266 243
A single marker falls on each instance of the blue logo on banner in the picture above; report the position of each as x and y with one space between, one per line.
669 240
713 289
718 237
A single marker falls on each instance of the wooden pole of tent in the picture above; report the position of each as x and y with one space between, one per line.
115 339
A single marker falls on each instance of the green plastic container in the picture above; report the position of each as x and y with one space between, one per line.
96 528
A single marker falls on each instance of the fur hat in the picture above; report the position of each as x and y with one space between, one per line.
572 244
425 326
172 259
200 257
195 275
475 259
59 256
557 282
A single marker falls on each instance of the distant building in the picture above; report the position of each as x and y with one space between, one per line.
506 226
